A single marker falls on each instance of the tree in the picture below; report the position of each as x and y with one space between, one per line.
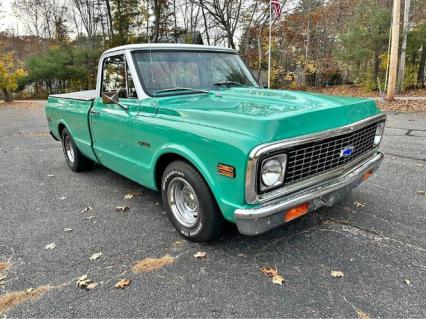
9 76
226 14
393 64
401 70
366 40
124 13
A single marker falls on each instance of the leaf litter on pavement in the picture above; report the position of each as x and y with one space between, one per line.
95 256
86 209
87 283
132 195
200 254
50 246
358 204
122 283
273 272
337 274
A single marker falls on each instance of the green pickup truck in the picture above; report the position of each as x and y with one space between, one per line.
192 122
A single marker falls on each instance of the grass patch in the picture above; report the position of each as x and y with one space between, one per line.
12 299
3 266
150 264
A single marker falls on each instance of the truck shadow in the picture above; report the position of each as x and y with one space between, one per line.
231 238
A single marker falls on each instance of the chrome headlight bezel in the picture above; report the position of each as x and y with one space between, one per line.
378 136
282 160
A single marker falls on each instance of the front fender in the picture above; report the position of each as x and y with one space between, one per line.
187 154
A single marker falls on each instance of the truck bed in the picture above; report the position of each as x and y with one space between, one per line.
88 95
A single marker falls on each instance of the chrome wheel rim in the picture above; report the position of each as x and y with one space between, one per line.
183 202
69 149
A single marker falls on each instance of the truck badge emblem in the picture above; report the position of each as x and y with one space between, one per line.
347 151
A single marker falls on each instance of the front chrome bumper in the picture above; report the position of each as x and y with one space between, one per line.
254 221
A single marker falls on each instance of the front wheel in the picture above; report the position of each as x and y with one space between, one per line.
75 159
189 203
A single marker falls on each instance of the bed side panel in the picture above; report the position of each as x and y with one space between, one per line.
74 114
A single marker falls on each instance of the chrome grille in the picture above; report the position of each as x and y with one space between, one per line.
308 160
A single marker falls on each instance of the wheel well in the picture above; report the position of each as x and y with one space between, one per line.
60 129
162 163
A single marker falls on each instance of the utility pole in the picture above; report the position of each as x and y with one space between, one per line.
401 71
393 65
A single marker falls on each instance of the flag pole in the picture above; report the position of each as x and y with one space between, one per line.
269 51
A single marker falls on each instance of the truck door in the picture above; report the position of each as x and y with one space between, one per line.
112 124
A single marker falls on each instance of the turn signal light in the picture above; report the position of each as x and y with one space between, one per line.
226 170
295 212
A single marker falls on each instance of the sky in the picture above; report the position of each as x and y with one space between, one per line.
8 19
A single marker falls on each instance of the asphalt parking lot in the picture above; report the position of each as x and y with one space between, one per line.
376 238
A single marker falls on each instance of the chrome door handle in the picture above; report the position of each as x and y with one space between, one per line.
95 112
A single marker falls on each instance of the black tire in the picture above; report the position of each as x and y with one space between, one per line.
209 223
79 162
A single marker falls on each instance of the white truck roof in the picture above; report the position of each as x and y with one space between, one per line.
168 46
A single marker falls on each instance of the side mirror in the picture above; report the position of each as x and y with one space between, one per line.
113 98
110 98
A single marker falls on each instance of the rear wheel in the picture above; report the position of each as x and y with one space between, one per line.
189 203
75 159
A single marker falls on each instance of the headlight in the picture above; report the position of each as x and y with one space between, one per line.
273 171
379 133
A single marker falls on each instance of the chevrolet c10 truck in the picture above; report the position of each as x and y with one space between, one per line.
192 122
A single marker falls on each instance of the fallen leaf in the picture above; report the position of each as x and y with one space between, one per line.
157 203
67 230
90 217
278 279
150 264
50 246
91 286
122 283
407 282
50 175
177 243
422 193
84 282
63 198
200 254
86 209
420 165
361 314
128 196
358 204
269 271
121 208
3 277
95 256
337 274
242 255
29 289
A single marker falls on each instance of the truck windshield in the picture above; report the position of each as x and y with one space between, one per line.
188 72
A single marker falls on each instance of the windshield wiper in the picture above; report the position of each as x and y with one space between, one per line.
229 83
181 89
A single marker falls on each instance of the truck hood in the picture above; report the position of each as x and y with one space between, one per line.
267 115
